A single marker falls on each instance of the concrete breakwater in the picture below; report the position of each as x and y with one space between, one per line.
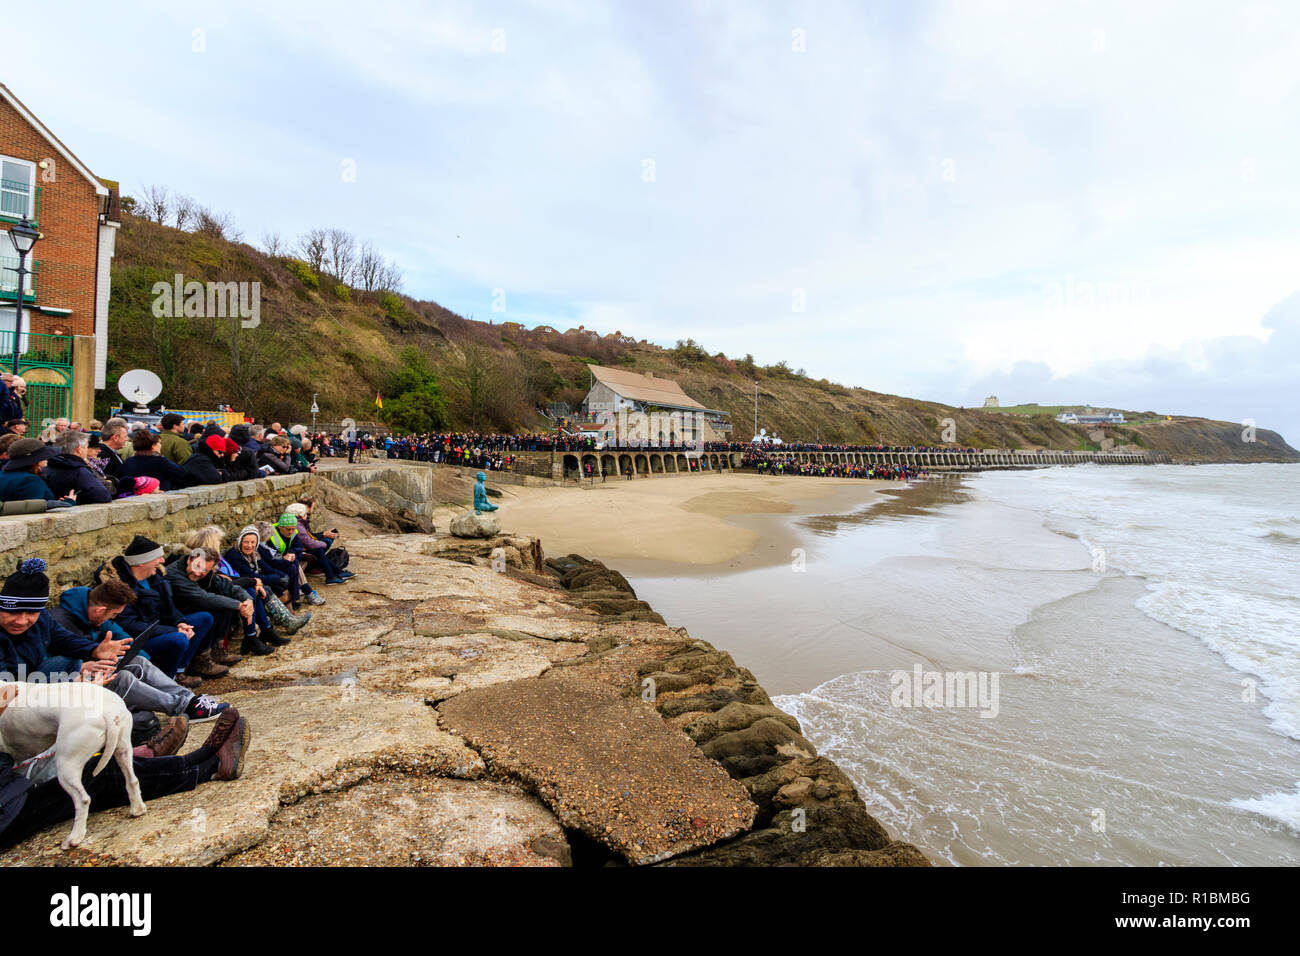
470 702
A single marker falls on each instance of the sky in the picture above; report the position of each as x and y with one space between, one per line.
1057 203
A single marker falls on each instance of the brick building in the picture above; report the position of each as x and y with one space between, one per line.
78 216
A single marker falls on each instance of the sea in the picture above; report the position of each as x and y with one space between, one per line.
1089 665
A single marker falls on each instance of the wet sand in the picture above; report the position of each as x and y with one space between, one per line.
696 523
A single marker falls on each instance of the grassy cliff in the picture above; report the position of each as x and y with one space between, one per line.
317 335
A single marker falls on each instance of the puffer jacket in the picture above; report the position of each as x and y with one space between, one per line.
212 592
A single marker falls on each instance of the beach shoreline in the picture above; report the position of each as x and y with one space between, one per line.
720 523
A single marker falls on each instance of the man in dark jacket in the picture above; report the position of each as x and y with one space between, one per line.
31 640
68 474
198 587
11 406
188 634
148 463
142 686
207 465
113 445
276 455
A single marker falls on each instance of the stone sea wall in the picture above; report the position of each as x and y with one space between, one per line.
74 541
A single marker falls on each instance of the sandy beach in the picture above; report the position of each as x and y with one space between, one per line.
720 521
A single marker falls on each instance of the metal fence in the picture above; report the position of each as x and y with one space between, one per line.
45 363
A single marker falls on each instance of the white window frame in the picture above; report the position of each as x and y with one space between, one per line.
31 183
8 316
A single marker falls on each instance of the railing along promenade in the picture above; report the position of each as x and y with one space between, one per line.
628 462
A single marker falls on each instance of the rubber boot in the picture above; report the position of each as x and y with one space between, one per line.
282 617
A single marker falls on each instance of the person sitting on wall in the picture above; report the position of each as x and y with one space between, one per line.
31 640
317 549
147 463
69 473
206 465
175 447
88 614
21 478
277 552
140 567
198 587
481 503
113 447
246 560
240 463
275 454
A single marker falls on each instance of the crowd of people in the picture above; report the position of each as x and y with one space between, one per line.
152 624
151 627
776 463
801 446
74 464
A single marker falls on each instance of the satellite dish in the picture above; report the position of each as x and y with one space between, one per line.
349 429
140 386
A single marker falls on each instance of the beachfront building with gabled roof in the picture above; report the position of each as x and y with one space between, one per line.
615 390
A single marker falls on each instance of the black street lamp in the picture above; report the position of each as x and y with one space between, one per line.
23 236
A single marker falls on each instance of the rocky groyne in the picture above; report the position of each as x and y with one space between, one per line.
469 702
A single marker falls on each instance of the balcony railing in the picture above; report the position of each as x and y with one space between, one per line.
36 349
9 277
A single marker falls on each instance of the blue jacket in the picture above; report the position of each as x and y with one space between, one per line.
73 613
45 638
152 603
241 567
169 474
66 472
23 486
10 407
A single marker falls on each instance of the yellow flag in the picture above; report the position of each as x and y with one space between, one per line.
379 401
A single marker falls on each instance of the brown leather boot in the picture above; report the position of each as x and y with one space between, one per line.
172 732
204 666
222 654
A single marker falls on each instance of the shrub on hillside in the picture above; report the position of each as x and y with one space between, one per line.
303 273
342 292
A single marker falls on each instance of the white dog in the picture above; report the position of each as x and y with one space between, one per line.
77 719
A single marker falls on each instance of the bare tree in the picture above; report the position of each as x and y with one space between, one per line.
184 211
312 246
273 245
218 225
369 267
156 203
390 277
342 253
